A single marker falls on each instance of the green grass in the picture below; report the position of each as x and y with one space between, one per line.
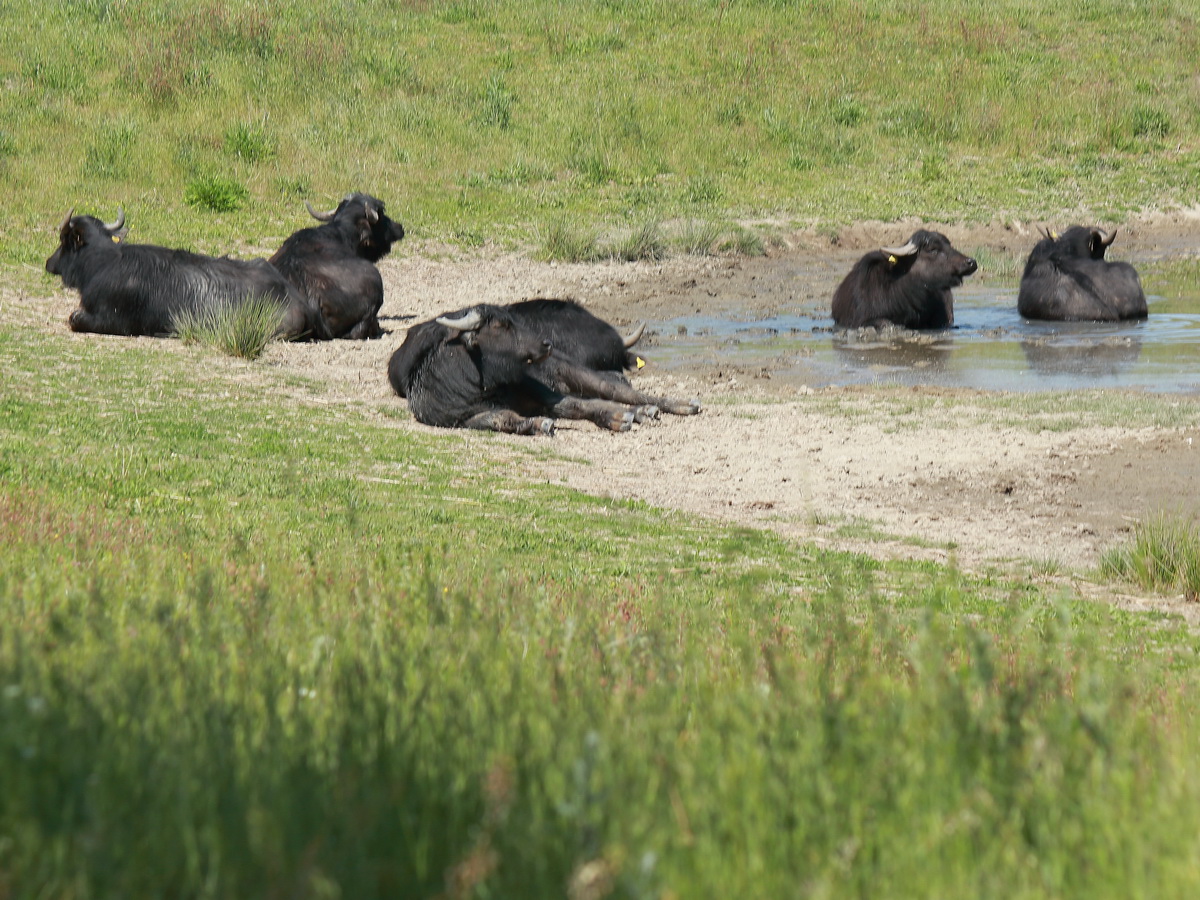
485 122
256 646
242 329
1164 555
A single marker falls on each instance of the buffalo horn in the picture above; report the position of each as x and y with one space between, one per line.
372 214
1105 238
907 250
66 219
114 226
469 321
320 216
634 336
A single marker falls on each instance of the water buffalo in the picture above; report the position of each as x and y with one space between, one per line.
139 289
578 334
333 264
908 286
1067 279
479 369
590 356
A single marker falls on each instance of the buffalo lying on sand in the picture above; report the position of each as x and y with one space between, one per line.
481 368
907 286
333 264
140 289
590 356
1067 279
578 334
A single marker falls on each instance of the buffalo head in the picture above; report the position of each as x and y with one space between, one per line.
364 223
929 257
1080 242
502 348
78 232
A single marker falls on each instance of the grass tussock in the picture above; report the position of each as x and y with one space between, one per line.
565 241
696 237
743 242
645 243
236 329
1163 556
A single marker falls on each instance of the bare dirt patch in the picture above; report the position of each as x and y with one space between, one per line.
833 466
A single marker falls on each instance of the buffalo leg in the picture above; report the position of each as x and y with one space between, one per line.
535 395
510 422
606 414
366 330
584 382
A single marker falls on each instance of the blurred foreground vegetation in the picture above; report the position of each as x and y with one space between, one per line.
286 649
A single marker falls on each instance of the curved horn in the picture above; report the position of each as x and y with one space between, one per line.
66 219
468 322
1105 238
320 216
907 250
634 336
372 214
115 226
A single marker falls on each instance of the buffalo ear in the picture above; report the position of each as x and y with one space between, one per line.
119 234
71 236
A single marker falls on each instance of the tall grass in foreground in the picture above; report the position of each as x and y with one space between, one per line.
236 329
220 725
1164 555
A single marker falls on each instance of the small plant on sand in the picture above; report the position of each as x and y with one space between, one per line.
242 329
1164 555
565 241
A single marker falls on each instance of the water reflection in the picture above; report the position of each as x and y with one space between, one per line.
893 348
1102 358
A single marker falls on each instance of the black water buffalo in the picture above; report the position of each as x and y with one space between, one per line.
139 289
908 286
333 264
479 368
1067 279
590 355
578 334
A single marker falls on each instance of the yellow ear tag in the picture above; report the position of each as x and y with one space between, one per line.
116 240
891 259
1054 235
640 362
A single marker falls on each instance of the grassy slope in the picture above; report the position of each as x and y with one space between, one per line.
486 121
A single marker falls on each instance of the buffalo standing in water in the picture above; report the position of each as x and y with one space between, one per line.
1067 279
907 286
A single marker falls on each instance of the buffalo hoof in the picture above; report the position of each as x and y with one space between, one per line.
684 407
545 426
622 421
645 413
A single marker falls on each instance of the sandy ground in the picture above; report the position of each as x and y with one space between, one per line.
947 482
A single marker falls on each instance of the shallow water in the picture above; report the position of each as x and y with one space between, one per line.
990 347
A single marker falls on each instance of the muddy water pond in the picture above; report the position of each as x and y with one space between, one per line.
990 347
